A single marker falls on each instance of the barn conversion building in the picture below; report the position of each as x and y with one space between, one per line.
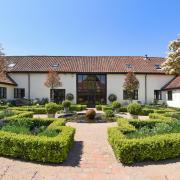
91 79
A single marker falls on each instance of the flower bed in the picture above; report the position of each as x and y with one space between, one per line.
37 139
160 139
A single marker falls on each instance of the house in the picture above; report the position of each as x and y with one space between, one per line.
172 91
91 79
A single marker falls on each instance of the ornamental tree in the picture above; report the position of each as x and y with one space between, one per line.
131 83
172 63
53 80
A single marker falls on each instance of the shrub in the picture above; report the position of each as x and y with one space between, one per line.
123 109
90 114
106 107
158 116
99 107
66 104
83 107
146 112
49 133
76 107
38 148
116 104
134 108
51 108
109 113
112 97
148 148
69 97
172 114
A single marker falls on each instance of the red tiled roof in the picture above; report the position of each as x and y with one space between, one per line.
173 84
5 79
101 64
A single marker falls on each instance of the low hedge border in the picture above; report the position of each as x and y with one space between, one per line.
36 110
38 148
157 147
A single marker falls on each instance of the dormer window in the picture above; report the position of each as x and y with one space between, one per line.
157 66
55 65
11 65
129 65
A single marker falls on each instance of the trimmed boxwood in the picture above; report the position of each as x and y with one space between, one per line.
99 107
36 110
38 148
106 108
155 147
146 112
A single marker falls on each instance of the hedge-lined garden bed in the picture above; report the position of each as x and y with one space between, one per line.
137 140
37 139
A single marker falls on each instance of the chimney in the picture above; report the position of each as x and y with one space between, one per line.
146 57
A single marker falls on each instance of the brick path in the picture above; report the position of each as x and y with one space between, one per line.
91 158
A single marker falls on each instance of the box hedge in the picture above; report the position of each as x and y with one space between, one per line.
155 147
38 148
106 108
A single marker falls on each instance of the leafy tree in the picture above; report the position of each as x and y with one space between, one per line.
172 63
131 83
53 80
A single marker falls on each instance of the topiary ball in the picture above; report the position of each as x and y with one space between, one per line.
112 97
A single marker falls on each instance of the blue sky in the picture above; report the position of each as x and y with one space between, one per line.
88 27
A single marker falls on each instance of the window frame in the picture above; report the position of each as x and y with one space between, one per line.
157 95
135 95
19 93
3 92
169 96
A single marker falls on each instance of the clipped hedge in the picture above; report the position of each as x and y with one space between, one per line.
107 108
158 116
38 148
44 149
146 112
99 107
155 147
36 110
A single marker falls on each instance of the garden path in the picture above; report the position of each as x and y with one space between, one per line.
90 158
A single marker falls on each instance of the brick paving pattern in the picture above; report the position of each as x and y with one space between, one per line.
90 158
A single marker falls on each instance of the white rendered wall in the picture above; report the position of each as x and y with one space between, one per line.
37 87
10 90
175 99
154 82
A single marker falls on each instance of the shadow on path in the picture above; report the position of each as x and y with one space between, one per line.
75 155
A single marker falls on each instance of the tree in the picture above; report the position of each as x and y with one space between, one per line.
53 80
172 63
130 85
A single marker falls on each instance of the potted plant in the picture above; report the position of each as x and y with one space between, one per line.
116 106
66 105
112 97
134 110
69 97
51 109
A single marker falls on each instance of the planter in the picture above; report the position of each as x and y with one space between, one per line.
51 115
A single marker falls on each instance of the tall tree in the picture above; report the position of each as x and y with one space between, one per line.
172 63
131 84
53 80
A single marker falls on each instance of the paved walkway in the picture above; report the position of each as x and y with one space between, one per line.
91 158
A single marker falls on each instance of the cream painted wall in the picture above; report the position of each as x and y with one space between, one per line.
114 85
10 90
154 82
37 87
175 100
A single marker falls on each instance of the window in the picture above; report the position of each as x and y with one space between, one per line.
91 89
3 92
129 65
169 94
19 92
57 95
126 95
157 66
157 95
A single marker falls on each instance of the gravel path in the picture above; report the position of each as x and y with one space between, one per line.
90 158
